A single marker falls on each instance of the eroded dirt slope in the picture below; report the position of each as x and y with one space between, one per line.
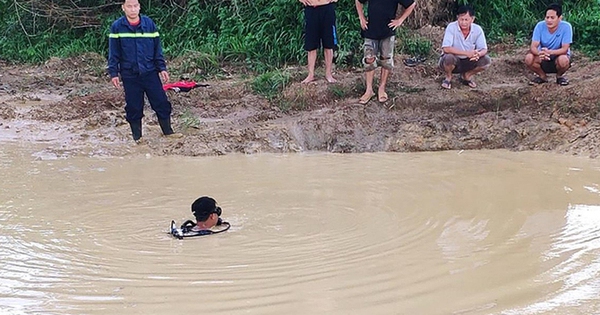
69 105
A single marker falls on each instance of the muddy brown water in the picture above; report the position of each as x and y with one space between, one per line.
470 232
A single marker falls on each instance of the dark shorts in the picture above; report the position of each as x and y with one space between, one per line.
319 23
463 65
549 66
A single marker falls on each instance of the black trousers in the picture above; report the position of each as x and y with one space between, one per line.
151 86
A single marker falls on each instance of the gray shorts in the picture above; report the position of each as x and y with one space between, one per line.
382 50
463 65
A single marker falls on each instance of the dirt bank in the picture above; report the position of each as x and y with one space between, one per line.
69 105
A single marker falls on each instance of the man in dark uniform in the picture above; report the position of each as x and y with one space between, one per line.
135 53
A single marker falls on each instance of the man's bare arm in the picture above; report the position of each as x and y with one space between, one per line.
534 48
561 51
361 14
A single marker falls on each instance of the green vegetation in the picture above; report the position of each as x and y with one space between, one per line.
188 120
412 44
271 84
260 35
339 92
585 18
503 18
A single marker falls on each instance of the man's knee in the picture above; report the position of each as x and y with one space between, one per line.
369 63
484 62
448 60
387 63
563 62
529 59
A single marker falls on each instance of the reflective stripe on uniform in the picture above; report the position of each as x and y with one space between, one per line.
127 35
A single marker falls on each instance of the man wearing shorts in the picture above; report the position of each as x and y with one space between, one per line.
319 19
550 50
464 49
379 30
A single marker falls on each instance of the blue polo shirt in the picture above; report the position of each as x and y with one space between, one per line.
562 35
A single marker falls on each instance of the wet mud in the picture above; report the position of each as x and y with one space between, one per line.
70 106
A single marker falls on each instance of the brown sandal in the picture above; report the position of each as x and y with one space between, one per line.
468 83
364 100
383 98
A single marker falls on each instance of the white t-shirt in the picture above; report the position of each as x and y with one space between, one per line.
453 37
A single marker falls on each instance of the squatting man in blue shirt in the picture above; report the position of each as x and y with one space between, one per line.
135 53
550 50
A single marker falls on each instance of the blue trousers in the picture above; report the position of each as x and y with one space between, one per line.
150 85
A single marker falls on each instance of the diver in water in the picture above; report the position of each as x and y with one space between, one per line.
207 215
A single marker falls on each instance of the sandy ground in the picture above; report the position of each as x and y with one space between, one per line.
70 106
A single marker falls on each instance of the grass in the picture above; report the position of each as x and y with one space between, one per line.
413 44
188 120
271 84
338 91
264 35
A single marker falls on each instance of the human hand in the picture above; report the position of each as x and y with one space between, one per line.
306 2
544 54
164 76
394 24
116 82
364 23
474 55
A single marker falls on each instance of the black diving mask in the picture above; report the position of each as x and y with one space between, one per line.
218 211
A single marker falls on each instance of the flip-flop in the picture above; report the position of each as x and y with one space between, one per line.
468 83
562 81
537 80
446 84
413 61
410 62
383 98
364 101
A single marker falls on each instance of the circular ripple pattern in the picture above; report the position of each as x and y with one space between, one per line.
436 233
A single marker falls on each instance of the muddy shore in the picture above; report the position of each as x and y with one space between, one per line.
69 105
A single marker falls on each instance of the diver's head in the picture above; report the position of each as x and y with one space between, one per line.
205 209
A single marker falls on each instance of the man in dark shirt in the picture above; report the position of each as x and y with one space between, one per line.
135 54
379 32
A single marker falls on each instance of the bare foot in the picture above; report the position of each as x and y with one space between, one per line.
366 97
308 79
331 79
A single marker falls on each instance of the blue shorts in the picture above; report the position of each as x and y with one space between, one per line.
319 31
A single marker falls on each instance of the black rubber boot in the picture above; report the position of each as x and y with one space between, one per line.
165 125
136 129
